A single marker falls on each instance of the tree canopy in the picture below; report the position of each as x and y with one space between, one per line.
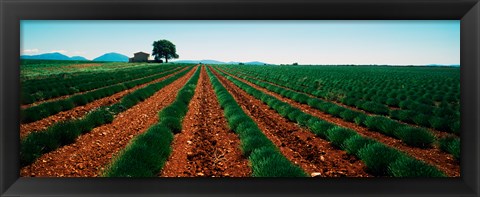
164 49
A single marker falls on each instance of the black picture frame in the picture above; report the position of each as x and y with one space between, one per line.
12 11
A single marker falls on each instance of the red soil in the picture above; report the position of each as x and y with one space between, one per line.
91 152
314 155
80 111
205 147
433 156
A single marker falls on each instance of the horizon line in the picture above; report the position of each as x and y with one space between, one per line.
225 61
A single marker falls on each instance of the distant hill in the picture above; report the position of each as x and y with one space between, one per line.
187 61
112 57
233 62
256 63
217 62
51 56
78 58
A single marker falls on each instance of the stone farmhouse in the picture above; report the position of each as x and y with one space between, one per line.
139 57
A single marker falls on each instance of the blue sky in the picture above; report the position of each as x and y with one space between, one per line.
306 42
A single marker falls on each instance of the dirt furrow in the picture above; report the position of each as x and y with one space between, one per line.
80 111
91 152
78 93
437 133
314 155
433 156
205 147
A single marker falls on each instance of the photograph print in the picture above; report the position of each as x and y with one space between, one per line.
240 98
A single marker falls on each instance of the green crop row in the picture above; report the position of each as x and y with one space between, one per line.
411 112
72 79
425 85
443 118
46 109
451 145
60 75
141 94
147 153
30 95
423 115
412 116
411 136
379 158
38 143
264 156
51 63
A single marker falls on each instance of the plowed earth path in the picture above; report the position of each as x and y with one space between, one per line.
206 147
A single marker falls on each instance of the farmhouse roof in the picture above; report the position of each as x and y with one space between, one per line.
141 53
